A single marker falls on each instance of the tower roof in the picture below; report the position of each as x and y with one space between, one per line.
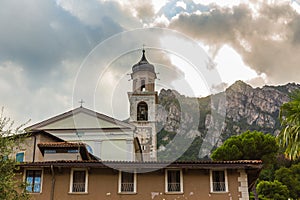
143 65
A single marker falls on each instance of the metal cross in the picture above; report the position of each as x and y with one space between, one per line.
144 46
81 102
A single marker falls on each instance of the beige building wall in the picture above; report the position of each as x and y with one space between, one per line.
27 146
103 184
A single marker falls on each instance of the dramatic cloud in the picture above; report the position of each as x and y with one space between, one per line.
105 73
41 48
144 11
39 35
96 13
267 38
44 43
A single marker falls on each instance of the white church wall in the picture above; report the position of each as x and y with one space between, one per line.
103 145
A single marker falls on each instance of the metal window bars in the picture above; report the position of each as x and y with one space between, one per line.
78 187
173 187
219 187
127 187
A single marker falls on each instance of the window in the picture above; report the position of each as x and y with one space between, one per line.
143 147
143 85
174 181
79 180
72 151
54 151
89 148
33 181
142 111
48 151
218 181
127 182
20 156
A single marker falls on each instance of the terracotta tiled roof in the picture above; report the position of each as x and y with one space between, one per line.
60 144
67 145
252 167
237 164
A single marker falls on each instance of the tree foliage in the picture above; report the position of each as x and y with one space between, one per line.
272 190
248 146
291 178
289 137
10 188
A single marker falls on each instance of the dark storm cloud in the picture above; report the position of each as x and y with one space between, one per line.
43 45
39 35
268 40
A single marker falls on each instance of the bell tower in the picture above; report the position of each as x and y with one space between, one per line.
143 100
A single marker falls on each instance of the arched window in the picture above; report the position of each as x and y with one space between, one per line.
142 111
143 85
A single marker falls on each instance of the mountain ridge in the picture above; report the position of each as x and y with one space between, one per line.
209 121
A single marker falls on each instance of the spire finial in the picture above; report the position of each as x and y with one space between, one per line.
143 57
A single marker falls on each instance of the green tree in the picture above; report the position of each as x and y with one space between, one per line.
10 187
272 190
248 146
291 178
289 116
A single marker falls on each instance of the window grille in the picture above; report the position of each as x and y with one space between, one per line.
79 180
173 181
127 182
218 178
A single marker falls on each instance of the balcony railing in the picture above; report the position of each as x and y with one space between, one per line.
173 187
78 187
219 187
127 187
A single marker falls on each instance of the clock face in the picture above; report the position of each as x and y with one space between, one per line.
144 135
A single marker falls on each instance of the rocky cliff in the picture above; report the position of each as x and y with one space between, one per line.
195 126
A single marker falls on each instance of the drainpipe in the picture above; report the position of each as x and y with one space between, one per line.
52 183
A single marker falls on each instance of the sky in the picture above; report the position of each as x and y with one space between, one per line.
54 53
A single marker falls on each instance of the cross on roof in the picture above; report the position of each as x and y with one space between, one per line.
81 102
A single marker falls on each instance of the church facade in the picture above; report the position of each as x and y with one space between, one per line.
82 154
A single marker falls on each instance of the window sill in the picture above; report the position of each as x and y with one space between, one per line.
127 193
218 192
174 192
78 193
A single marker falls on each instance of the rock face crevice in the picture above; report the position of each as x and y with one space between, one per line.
215 118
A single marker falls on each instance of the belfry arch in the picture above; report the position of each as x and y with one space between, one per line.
142 111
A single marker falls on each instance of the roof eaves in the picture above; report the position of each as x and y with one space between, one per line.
151 165
75 111
51 120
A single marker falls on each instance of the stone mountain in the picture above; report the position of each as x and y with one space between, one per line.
195 126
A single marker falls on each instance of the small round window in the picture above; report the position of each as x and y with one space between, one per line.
89 148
